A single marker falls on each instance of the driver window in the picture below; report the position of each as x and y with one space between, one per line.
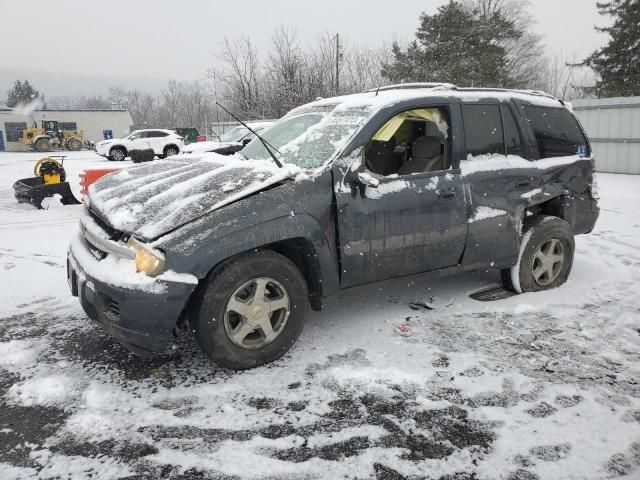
413 141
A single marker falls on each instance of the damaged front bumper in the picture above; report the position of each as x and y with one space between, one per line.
139 311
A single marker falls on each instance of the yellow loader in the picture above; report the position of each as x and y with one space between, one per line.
51 136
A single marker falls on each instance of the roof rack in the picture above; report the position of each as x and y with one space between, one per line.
536 93
449 86
406 86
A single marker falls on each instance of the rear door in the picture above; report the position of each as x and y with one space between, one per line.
158 141
493 142
394 221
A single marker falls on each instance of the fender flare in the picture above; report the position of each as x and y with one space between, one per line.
214 252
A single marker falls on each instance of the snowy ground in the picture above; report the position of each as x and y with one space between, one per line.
542 385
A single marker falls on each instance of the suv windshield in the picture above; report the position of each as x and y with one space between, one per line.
309 136
234 135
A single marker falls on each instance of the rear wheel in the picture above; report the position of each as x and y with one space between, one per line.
42 145
171 150
546 257
74 144
117 154
252 311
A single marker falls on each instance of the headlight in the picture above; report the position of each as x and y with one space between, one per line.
147 260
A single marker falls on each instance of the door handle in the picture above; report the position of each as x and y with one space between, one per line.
523 183
446 194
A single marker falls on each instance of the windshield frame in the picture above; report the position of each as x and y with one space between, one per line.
324 113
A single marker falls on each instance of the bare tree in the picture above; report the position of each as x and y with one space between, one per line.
239 79
286 73
565 78
362 69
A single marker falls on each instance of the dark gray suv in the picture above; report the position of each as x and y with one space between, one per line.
397 181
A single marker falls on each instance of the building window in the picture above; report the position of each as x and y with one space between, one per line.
14 130
68 126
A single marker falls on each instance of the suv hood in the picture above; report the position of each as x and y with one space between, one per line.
150 200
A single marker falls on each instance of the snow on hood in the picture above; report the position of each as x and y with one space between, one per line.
152 199
199 147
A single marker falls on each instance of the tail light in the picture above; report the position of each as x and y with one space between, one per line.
593 185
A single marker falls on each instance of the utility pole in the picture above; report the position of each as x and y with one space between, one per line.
338 55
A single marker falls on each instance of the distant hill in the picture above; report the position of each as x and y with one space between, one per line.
63 84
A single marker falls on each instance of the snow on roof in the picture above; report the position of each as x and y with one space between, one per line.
80 110
385 97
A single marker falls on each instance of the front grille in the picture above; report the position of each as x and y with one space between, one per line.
111 308
111 232
95 251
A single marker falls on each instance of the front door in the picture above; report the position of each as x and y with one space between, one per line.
406 211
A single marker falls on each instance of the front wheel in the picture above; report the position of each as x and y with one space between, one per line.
252 311
42 145
117 154
74 144
546 256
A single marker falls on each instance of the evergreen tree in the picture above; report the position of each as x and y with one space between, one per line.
618 63
21 92
458 44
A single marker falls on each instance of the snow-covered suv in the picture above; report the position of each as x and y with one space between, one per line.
231 142
340 192
164 143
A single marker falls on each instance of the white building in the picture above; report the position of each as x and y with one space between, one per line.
96 124
613 126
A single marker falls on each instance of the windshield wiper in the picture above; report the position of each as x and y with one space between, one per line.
264 142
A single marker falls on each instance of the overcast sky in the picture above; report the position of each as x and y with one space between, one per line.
179 39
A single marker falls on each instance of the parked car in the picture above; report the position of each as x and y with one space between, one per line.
398 181
164 143
231 142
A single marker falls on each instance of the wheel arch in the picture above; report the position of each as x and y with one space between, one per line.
568 208
168 145
299 238
119 146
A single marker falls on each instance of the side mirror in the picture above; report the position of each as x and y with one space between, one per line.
245 141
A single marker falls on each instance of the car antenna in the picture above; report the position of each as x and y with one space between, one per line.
264 142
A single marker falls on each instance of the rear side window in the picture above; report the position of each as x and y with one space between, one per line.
483 129
557 132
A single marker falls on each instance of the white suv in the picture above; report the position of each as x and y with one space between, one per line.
163 142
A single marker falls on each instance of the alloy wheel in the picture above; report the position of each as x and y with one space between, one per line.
257 313
548 261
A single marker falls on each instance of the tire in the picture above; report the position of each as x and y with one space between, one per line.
117 154
74 144
545 259
233 289
170 151
42 145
